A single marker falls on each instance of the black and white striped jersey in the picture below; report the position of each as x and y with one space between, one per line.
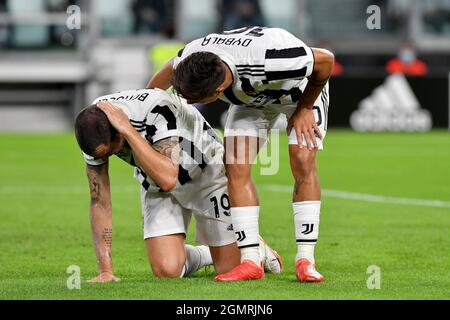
270 66
158 115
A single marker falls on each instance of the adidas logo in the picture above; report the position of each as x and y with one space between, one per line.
392 106
230 227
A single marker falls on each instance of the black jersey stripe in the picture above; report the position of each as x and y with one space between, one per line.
325 93
260 72
251 71
183 176
252 74
249 66
285 53
144 183
284 75
138 122
247 87
139 128
325 108
168 115
229 94
322 97
138 125
151 131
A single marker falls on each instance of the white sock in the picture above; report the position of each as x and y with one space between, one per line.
196 258
305 251
306 220
246 229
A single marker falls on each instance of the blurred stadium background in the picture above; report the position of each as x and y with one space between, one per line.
48 72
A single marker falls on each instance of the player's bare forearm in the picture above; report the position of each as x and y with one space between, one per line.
101 215
303 120
160 165
323 67
162 79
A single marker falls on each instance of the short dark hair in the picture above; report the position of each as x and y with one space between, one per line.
198 76
92 129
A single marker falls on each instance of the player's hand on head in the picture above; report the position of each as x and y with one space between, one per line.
118 119
104 277
305 126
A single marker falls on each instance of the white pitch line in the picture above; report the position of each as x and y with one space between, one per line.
270 187
365 197
61 190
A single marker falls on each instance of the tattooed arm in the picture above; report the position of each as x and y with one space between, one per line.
101 220
160 165
170 148
161 168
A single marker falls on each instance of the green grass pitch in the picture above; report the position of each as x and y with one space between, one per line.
44 224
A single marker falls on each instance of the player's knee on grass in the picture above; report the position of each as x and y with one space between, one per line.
167 268
166 255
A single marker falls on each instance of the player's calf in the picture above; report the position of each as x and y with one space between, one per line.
306 206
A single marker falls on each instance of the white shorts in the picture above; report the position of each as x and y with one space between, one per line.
256 122
163 215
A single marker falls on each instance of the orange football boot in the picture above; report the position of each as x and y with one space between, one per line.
306 271
247 270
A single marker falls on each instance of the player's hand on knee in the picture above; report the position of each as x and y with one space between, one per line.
104 277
